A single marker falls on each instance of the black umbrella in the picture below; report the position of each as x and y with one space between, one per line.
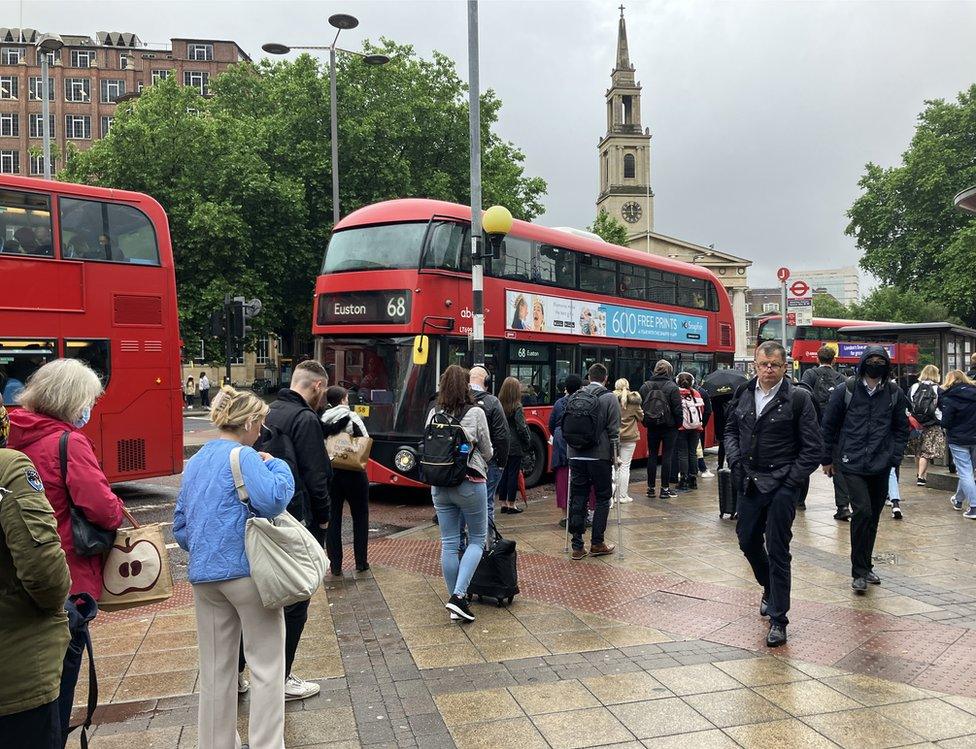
723 382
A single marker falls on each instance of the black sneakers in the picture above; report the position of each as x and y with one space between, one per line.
459 606
872 578
859 585
763 606
842 514
776 636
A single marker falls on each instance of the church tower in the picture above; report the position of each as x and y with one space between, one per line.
625 151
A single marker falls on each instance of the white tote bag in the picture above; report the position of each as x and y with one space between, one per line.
287 564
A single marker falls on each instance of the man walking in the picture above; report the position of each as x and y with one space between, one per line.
821 382
772 442
203 385
865 428
294 434
591 428
661 402
497 428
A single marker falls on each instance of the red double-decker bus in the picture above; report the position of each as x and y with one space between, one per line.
804 341
555 302
88 274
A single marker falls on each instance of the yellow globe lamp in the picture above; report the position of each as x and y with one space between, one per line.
497 222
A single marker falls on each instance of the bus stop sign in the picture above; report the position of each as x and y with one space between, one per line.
783 274
799 289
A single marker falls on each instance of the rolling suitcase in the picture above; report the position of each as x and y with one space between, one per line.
727 495
497 573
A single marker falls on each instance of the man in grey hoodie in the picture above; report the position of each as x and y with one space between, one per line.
593 466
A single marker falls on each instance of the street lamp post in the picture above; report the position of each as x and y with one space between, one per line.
47 44
340 22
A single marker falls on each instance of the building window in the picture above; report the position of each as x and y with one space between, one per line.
82 58
37 165
77 126
198 80
37 125
77 89
112 89
52 57
630 166
9 85
9 162
125 62
139 87
34 86
11 55
199 51
160 75
106 125
9 125
263 354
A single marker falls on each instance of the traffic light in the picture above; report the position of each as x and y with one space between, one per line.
218 323
242 310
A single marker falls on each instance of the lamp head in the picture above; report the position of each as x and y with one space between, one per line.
376 59
497 220
49 43
343 21
273 48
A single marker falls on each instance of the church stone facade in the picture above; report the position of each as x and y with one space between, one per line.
626 189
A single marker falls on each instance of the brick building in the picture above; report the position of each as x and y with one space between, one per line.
87 76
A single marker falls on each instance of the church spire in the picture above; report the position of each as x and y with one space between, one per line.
623 55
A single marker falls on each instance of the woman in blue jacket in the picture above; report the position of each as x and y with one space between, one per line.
209 524
958 404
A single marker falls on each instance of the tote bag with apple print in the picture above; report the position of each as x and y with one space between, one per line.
136 570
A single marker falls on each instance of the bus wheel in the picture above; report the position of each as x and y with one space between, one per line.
534 461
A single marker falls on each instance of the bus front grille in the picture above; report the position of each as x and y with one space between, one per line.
132 455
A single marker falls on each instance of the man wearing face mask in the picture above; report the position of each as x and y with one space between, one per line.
865 430
294 434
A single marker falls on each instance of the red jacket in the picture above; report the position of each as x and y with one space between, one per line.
38 436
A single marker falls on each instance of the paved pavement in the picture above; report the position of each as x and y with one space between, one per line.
660 645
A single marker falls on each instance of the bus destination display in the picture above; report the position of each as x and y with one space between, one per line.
365 307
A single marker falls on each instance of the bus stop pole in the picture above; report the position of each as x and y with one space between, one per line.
474 126
783 310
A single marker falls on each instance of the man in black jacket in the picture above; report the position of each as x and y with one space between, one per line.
296 437
772 442
661 402
497 428
865 430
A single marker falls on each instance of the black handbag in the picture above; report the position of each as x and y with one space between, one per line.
89 540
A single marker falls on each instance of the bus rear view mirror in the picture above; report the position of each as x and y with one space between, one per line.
421 348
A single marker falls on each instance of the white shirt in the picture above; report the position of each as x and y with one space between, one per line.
204 383
763 398
867 386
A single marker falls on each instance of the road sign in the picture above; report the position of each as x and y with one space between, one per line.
800 289
800 310
783 274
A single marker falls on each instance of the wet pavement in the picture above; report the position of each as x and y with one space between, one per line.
657 645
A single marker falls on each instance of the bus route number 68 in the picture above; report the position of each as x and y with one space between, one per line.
396 307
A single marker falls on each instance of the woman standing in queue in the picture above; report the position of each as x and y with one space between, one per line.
631 414
510 395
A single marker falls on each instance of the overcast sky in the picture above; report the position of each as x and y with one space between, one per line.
763 114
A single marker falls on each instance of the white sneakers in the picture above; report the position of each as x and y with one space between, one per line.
706 474
299 689
625 500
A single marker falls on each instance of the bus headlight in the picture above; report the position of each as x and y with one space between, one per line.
405 460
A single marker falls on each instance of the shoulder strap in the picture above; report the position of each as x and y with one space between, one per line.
235 469
63 462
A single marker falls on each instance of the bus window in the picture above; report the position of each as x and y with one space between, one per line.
93 353
93 230
375 247
632 282
516 260
598 275
25 224
771 330
448 247
18 361
557 266
565 365
529 363
660 287
691 292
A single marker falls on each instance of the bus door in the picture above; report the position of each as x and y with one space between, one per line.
530 364
605 355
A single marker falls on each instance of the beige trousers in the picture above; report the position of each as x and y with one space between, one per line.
223 610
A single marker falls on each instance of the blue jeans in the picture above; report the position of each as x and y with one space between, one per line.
494 478
450 502
894 494
965 457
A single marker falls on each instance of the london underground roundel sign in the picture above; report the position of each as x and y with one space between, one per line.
799 289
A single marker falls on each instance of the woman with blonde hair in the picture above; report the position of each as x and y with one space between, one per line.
631 414
924 396
959 421
209 523
519 442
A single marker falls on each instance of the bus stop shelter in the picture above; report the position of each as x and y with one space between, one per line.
944 344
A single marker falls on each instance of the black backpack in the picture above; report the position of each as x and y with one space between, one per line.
827 381
580 427
924 403
657 408
445 450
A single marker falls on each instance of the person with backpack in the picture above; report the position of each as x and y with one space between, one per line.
560 462
479 378
971 373
631 415
454 460
924 399
661 403
689 433
510 396
821 381
591 428
865 431
959 420
773 444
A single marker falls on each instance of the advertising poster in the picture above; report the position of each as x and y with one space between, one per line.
548 314
856 350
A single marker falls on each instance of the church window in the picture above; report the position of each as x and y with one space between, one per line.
628 102
630 166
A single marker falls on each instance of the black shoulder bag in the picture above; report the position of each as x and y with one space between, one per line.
89 540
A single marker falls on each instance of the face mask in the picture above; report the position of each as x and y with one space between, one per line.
84 418
874 371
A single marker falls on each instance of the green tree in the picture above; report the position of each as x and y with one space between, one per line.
825 305
245 174
904 221
609 228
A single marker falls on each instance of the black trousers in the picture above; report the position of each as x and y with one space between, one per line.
686 454
351 487
584 475
662 440
295 617
508 486
718 412
868 493
37 728
765 529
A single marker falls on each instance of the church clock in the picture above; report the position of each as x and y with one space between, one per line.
631 212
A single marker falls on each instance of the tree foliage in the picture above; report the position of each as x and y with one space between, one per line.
609 228
904 221
245 174
884 304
